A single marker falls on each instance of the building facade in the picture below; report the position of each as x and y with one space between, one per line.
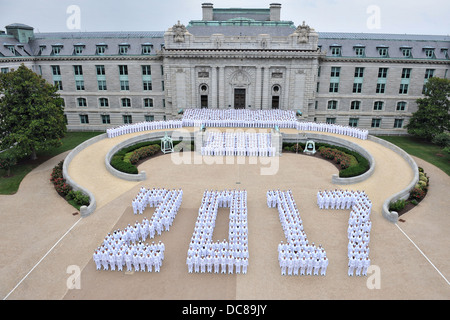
232 58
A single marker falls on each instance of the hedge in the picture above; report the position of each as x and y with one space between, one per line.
355 169
358 164
125 159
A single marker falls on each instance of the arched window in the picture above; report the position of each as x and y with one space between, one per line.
126 102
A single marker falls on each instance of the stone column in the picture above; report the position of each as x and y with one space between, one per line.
221 89
213 88
258 87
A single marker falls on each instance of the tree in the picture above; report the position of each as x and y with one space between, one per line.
432 116
31 113
7 160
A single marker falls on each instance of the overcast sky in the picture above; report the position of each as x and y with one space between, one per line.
369 16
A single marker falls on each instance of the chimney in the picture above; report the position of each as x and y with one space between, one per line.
207 11
275 9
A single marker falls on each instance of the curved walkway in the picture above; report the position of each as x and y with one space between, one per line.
39 221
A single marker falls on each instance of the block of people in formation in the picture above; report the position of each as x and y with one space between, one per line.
296 255
359 224
227 256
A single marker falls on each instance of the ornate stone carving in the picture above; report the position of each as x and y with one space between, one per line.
240 78
303 33
179 31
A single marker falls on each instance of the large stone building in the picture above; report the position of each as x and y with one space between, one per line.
232 58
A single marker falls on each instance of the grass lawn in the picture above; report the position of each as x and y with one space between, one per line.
422 149
10 185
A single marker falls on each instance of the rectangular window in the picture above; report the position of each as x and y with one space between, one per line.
100 70
123 70
106 119
58 84
56 71
357 87
335 71
403 88
79 84
146 70
78 70
380 88
429 73
4 70
353 122
127 119
359 72
376 123
398 123
124 85
84 118
382 72
162 85
406 73
149 118
101 85
334 87
331 120
147 85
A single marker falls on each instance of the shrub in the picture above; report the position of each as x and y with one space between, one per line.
397 205
125 159
417 194
442 140
79 197
64 189
118 164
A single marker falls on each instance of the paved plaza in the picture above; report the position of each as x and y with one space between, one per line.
44 244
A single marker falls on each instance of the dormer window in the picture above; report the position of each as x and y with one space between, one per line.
11 48
123 48
78 49
56 49
100 49
383 51
335 50
406 52
445 52
41 49
147 48
360 51
429 53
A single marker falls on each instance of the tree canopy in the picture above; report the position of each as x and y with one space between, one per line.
31 113
432 117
